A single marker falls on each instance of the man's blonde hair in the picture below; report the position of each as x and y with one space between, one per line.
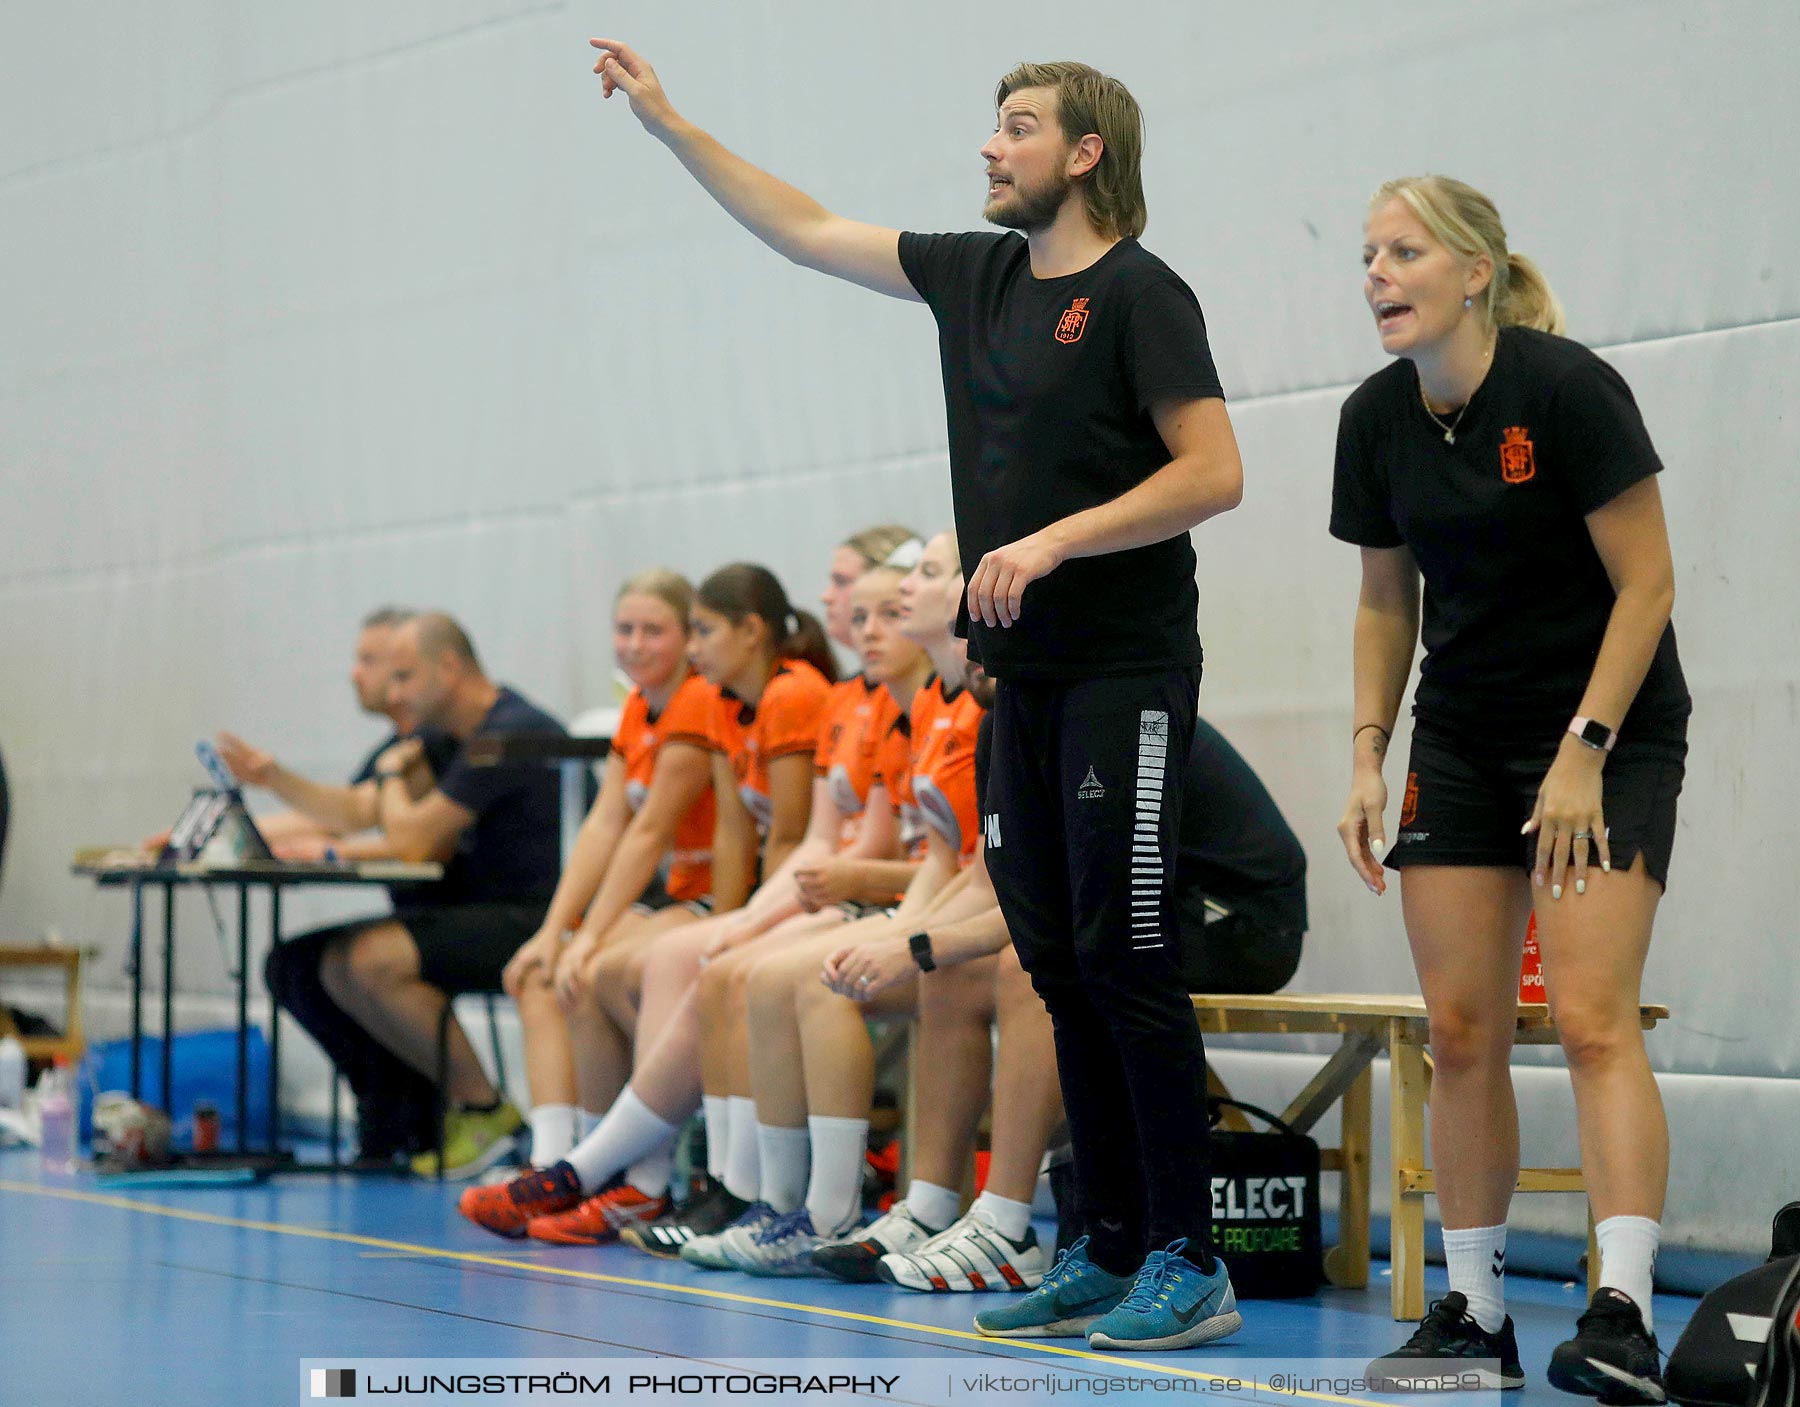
1087 100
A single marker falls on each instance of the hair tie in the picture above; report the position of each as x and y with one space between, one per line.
906 556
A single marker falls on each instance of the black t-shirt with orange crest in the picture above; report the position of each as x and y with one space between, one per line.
1048 387
1516 596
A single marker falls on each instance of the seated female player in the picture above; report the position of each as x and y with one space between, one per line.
828 890
771 666
655 803
811 1061
852 816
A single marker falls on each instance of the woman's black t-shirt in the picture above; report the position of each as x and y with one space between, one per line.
1516 596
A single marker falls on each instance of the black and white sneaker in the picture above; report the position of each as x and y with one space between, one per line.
1613 1356
1450 1351
711 1209
855 1257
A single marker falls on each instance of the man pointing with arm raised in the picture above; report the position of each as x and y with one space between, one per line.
1087 434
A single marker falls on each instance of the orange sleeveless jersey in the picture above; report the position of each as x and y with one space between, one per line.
787 719
638 740
858 716
935 787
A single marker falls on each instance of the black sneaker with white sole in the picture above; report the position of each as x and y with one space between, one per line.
1448 1352
1613 1356
709 1211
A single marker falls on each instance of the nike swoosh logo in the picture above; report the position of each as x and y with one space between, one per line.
1068 1309
1188 1316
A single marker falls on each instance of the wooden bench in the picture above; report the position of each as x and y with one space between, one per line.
1369 1026
71 1043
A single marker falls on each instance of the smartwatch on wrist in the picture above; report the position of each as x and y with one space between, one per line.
920 943
1593 733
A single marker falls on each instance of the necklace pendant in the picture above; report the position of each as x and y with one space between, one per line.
1449 437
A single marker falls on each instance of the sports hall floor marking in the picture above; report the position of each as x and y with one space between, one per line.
405 1248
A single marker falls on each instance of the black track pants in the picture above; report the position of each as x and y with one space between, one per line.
1082 811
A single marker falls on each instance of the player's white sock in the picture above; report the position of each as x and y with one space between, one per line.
552 1133
630 1129
784 1154
1628 1258
743 1165
1476 1259
840 1148
932 1205
716 1109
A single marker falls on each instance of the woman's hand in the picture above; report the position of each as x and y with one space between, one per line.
539 951
863 970
1568 815
567 979
823 884
1361 830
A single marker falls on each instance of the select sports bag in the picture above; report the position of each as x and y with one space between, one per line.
1265 1206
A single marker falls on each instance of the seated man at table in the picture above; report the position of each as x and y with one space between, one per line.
495 831
320 814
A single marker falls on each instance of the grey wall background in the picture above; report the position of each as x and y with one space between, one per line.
307 309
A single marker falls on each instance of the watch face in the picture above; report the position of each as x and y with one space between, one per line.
1595 733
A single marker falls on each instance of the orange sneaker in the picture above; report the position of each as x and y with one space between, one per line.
599 1218
506 1208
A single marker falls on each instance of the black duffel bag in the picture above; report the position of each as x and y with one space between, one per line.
1739 1348
1265 1206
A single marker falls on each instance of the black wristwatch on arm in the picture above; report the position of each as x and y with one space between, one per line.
920 943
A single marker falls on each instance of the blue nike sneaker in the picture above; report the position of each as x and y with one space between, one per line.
1070 1298
1172 1304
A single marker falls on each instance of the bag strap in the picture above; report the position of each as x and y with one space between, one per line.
1214 1104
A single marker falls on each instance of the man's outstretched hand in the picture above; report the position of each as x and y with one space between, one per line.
622 68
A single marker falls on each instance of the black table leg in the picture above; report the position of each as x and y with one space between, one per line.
137 989
274 1028
168 1050
243 1014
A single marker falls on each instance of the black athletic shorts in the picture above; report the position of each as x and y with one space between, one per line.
854 910
656 898
463 947
1465 799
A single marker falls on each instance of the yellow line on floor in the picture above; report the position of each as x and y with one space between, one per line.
1160 1368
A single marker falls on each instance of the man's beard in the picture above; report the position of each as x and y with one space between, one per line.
1030 210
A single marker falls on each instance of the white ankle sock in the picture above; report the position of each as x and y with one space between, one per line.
933 1206
834 1193
743 1167
1476 1259
552 1133
630 1129
717 1110
1011 1219
586 1121
1628 1257
650 1173
784 1153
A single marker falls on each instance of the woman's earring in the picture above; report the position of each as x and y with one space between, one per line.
1468 302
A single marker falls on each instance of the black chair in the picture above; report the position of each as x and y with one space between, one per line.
443 1071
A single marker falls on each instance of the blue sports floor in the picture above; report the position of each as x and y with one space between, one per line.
213 1295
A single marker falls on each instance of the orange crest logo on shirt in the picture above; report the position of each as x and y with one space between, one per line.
1517 463
1409 804
1073 322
